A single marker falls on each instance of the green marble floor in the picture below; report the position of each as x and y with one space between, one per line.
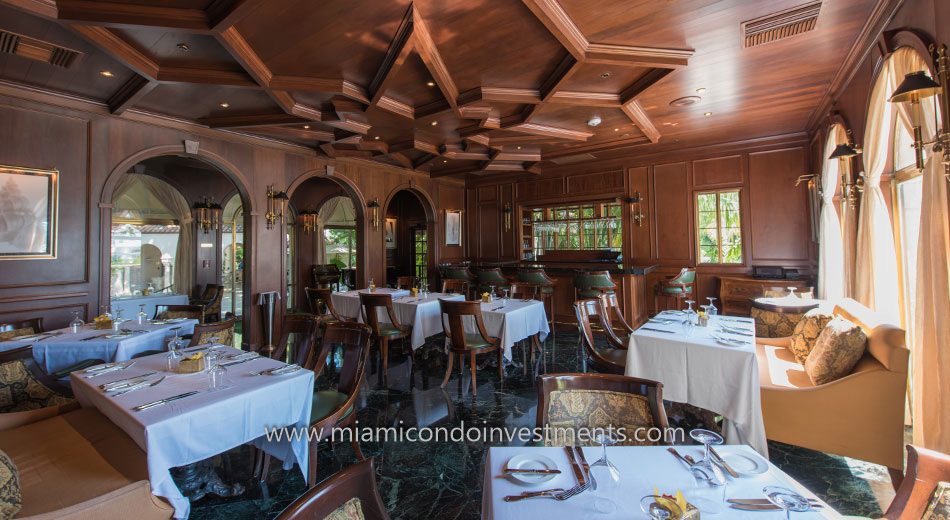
443 479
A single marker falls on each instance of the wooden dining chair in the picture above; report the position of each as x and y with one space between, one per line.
298 336
167 312
405 282
611 359
351 493
27 388
455 286
383 332
614 315
926 469
220 333
525 291
568 402
16 329
210 301
462 342
320 302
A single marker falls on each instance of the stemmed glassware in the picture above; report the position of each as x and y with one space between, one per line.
705 471
117 321
605 474
786 499
505 301
712 306
706 438
791 292
216 372
651 505
76 324
141 317
691 316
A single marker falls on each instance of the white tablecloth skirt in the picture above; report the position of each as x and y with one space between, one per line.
129 305
422 314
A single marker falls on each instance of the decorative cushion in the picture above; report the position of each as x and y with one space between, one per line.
806 333
569 410
21 391
838 349
15 333
10 498
169 315
351 510
939 507
219 337
771 324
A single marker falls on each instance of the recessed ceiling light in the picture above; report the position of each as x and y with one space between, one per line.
376 138
685 101
594 121
434 123
605 74
306 127
106 73
444 161
519 147
616 129
183 47
707 114
430 84
225 104
700 90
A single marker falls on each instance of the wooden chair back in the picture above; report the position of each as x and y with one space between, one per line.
925 469
587 310
453 323
298 334
221 332
405 282
614 313
525 291
356 481
455 286
369 306
165 312
320 302
355 340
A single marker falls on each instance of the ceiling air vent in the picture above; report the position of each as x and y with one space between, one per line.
781 25
33 49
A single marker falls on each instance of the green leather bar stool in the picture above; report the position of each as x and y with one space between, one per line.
679 288
593 284
545 284
460 273
491 279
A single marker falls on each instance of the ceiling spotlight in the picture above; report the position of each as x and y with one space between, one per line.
183 47
605 74
430 84
700 90
444 161
306 127
106 73
616 129
376 138
519 147
594 121
225 104
434 123
707 114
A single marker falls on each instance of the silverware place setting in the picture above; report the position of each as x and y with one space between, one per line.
119 383
160 402
279 371
115 368
762 504
137 386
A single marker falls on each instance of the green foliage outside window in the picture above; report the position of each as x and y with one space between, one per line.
719 227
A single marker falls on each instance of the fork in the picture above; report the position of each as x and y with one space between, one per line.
556 494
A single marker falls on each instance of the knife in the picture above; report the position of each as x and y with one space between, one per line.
139 386
764 502
116 368
146 406
578 474
112 385
722 462
583 460
90 338
658 330
680 457
534 471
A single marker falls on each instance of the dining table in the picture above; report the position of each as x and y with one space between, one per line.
421 312
204 422
713 367
130 305
643 471
58 349
514 320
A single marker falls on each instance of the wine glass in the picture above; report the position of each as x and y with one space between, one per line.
786 499
216 372
141 317
605 474
117 320
667 509
712 306
176 344
706 438
506 296
76 324
791 292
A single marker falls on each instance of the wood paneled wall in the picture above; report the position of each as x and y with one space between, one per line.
776 225
91 148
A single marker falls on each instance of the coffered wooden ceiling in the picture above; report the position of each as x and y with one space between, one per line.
451 87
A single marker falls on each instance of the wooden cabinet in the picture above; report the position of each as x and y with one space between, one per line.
736 292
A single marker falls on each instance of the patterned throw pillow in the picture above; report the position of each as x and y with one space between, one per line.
838 349
351 510
806 333
21 391
10 499
16 333
569 410
939 508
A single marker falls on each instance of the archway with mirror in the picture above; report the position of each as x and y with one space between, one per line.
409 238
177 239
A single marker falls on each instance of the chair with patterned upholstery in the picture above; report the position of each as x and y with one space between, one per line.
18 329
25 388
220 333
168 312
383 331
455 287
464 343
405 282
568 402
545 286
210 301
491 280
348 495
925 488
611 359
679 288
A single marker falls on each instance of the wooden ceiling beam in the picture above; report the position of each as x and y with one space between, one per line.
550 131
395 107
586 99
130 93
504 166
295 132
89 12
396 55
425 160
633 56
557 21
119 49
453 171
402 159
222 14
206 75
434 108
314 84
252 121
425 47
509 140
642 83
456 151
506 154
640 118
242 51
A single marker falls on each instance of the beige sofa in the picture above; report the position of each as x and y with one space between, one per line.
78 465
860 415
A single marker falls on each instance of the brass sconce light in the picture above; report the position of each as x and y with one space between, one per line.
309 219
207 214
636 209
276 206
918 86
849 190
374 205
508 211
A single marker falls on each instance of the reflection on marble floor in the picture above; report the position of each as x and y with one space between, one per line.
443 479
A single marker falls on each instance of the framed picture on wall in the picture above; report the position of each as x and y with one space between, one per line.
453 227
390 233
28 207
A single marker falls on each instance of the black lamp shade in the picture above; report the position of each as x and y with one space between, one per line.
843 151
915 85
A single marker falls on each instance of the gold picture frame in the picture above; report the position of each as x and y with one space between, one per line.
29 213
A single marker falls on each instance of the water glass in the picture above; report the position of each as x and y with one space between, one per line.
76 324
141 318
712 305
216 372
606 475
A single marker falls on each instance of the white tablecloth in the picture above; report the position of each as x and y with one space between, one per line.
129 305
66 349
515 321
422 313
694 368
348 303
203 425
641 470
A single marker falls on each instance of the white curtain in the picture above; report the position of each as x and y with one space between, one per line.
876 281
831 280
338 211
929 334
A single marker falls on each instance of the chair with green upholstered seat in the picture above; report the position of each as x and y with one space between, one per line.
679 288
491 280
383 331
610 359
545 286
464 343
593 284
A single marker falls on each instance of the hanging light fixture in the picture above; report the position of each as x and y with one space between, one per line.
207 214
374 205
276 206
309 218
508 211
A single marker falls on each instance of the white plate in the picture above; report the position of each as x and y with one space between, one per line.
745 465
530 461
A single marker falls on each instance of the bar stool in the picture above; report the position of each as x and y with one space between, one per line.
593 284
545 285
679 287
460 273
491 279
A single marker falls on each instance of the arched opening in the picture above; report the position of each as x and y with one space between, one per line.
162 250
408 237
324 238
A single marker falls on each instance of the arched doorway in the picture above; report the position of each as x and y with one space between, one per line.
409 237
326 233
155 242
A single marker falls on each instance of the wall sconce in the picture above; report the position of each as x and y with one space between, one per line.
276 206
374 205
508 211
849 190
636 210
917 86
309 218
207 214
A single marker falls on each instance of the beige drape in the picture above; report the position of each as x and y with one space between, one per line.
337 211
929 327
876 282
831 284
